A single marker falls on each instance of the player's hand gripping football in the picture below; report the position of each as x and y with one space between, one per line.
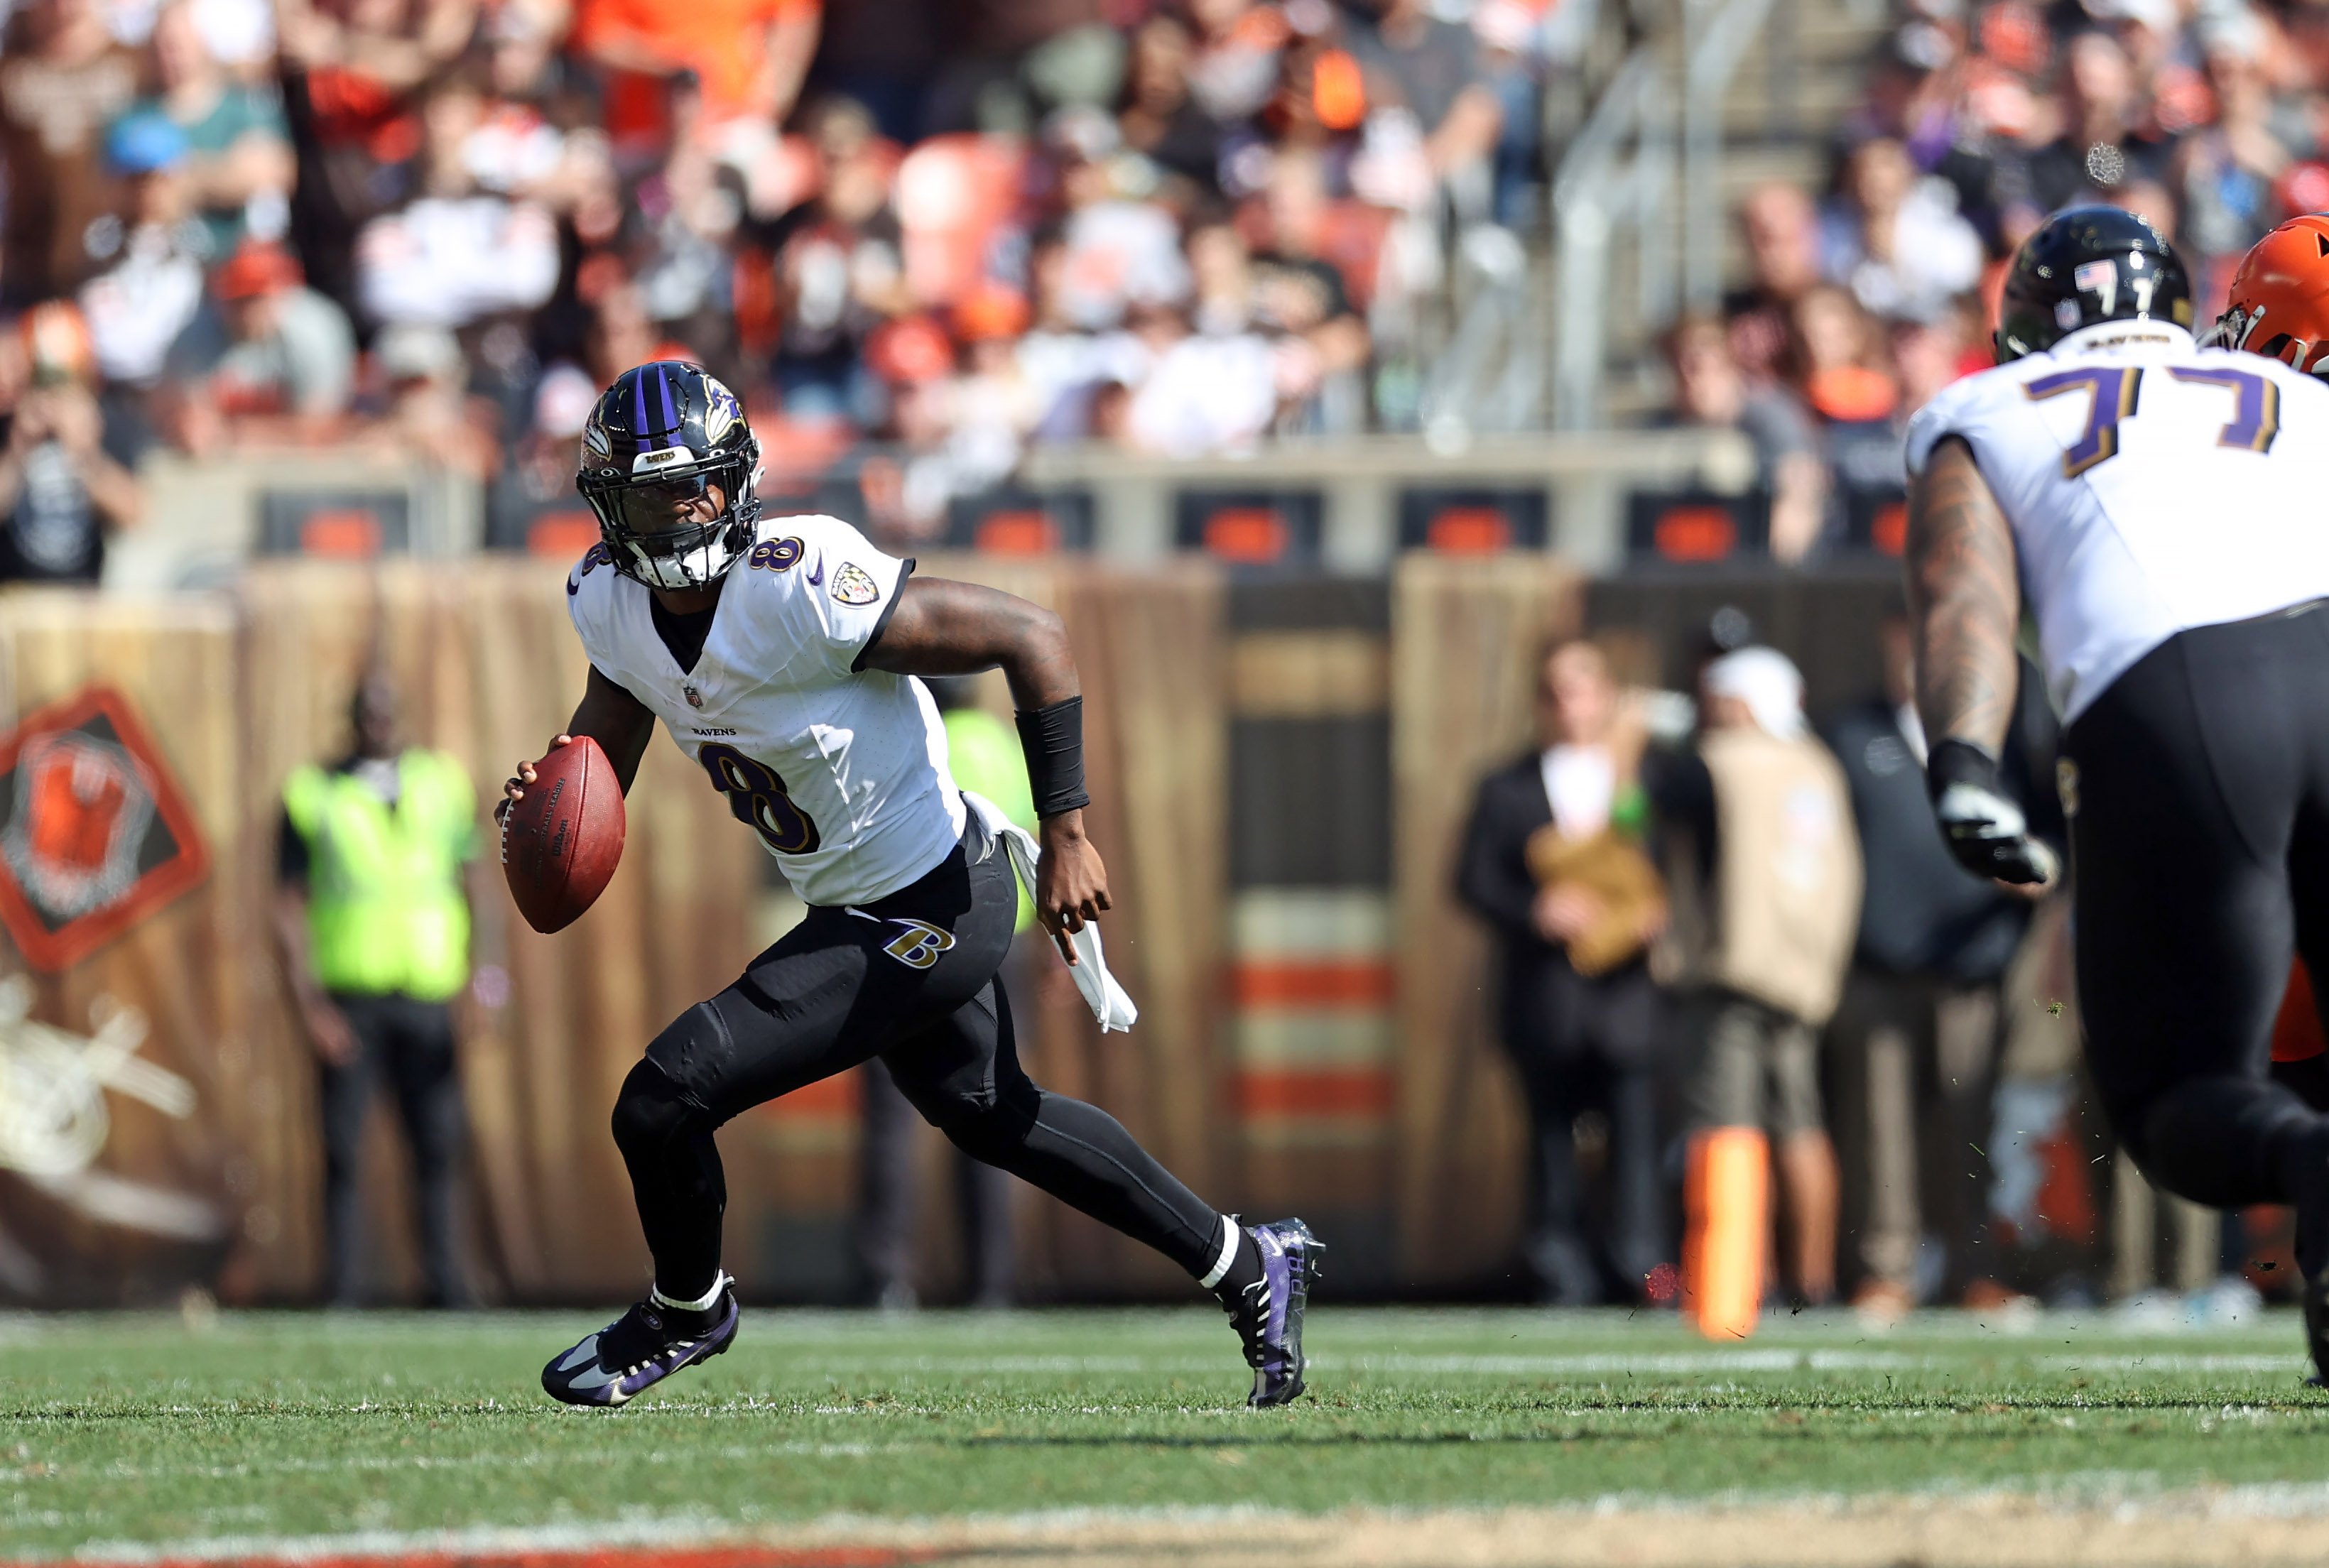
513 786
1070 883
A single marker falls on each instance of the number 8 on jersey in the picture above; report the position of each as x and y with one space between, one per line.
759 800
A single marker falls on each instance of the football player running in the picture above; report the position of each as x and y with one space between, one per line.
2154 505
780 653
2278 305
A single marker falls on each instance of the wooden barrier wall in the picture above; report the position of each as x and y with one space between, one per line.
198 1186
240 686
1465 637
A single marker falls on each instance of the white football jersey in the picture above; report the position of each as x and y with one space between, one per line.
842 771
2152 485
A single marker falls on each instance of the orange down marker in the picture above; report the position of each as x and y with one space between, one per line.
1726 1197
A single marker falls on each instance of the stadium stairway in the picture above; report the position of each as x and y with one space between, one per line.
1794 88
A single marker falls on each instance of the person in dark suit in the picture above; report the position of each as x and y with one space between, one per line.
1551 860
1913 1049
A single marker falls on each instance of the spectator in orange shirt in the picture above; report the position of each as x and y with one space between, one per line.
1840 361
749 57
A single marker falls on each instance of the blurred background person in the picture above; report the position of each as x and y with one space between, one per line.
265 359
1712 392
1769 879
350 73
372 927
63 78
158 253
839 272
1433 69
430 413
1896 240
2227 171
748 57
1552 860
239 166
1781 227
1913 1044
64 490
455 252
2104 141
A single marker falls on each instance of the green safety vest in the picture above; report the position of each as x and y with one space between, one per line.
986 757
385 908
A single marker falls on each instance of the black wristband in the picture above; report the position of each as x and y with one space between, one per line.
1959 762
1053 739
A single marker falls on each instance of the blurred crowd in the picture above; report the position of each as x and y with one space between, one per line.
2206 116
440 225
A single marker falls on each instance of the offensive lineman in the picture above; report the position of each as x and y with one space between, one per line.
779 654
2156 506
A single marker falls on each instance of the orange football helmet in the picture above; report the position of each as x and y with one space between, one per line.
2279 301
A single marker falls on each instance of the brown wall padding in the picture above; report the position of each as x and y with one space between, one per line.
1466 635
238 689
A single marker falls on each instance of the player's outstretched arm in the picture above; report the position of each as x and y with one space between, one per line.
1964 602
949 628
619 722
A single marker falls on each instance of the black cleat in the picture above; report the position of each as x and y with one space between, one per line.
641 1348
1267 1316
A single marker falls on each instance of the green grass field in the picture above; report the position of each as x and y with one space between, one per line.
128 1429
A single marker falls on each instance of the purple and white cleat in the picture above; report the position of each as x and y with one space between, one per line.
1268 1313
641 1348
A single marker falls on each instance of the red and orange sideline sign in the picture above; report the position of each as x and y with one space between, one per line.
95 833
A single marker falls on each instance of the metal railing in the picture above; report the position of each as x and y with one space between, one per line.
1597 188
1714 61
1622 171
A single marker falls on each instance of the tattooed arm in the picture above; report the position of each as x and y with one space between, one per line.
1964 602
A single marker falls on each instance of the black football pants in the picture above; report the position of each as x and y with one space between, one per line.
913 979
2200 828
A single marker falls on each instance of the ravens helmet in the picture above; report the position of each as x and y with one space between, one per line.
668 463
2087 264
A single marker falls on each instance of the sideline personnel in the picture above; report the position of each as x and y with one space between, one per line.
1552 860
373 926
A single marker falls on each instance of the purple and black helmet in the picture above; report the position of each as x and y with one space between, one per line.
660 440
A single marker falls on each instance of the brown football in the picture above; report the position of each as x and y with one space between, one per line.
559 845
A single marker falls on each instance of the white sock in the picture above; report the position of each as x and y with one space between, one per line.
719 1282
1229 1233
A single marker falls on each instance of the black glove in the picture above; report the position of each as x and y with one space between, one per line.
1985 829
